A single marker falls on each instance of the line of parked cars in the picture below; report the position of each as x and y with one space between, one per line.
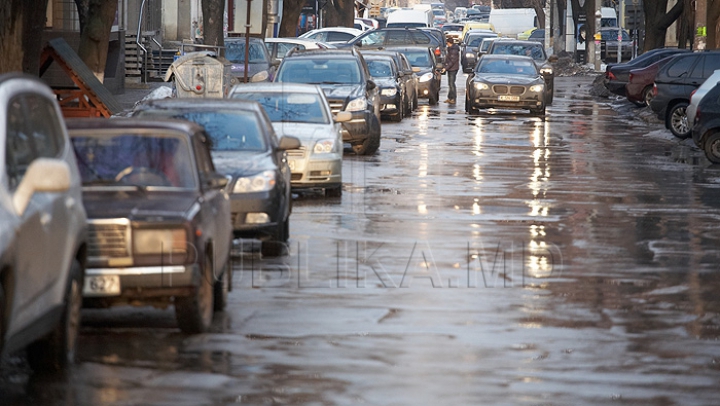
678 86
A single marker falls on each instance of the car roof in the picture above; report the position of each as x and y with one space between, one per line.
506 56
410 48
199 103
121 123
238 39
276 87
342 52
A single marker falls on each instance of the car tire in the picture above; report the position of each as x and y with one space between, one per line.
333 192
56 351
277 244
397 117
647 95
194 313
711 146
221 288
415 101
538 112
677 120
550 96
372 142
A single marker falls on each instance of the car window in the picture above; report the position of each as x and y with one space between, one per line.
712 63
534 51
374 38
398 37
289 107
235 52
202 156
229 130
19 152
44 126
381 69
320 70
419 59
284 48
134 157
507 66
339 37
420 38
681 67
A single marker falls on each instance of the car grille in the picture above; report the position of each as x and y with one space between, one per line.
336 106
502 89
296 177
296 153
108 240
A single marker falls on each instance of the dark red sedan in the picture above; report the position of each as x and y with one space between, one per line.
639 88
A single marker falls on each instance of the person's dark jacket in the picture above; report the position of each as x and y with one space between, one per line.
452 58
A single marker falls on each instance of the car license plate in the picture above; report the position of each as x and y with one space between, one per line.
509 98
102 285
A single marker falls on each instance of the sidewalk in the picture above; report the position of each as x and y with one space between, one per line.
134 92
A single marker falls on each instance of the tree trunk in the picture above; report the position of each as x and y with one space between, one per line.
686 26
713 24
95 37
657 21
82 9
340 13
21 23
213 12
291 14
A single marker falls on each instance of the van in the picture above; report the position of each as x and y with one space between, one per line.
510 22
410 19
608 17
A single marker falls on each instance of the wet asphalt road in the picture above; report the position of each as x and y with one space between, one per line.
497 259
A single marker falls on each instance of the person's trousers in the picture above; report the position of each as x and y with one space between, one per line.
452 89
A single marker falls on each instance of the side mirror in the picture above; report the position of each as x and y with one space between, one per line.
342 116
216 181
44 175
371 84
287 142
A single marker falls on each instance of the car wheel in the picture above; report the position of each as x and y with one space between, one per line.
678 122
372 142
538 112
397 117
57 350
222 288
647 95
433 99
333 192
194 313
712 148
415 101
549 97
407 108
277 244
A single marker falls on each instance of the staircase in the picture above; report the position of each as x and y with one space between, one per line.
138 68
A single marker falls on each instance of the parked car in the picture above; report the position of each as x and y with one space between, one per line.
395 37
609 42
386 75
245 148
43 232
278 47
302 111
159 217
706 128
538 35
534 50
616 76
428 71
260 66
409 78
526 34
674 84
344 77
505 81
699 94
469 48
639 87
453 30
332 35
439 34
484 46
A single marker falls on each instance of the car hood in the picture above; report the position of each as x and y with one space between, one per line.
499 79
306 132
242 163
342 91
385 82
137 205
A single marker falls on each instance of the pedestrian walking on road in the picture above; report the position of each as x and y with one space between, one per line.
452 65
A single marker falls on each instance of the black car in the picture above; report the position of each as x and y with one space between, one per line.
387 76
245 148
395 37
534 50
344 77
427 69
675 82
439 34
158 214
616 76
469 48
409 78
706 129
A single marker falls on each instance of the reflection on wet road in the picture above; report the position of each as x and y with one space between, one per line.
488 259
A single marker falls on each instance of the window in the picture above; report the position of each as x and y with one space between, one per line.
374 38
284 48
339 37
681 67
397 38
18 150
420 38
712 63
44 126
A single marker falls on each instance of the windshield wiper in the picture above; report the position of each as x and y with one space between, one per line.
113 182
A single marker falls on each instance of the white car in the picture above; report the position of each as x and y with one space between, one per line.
302 111
279 47
44 227
698 94
332 35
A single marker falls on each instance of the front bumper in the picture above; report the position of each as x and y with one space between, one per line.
141 282
243 204
489 99
391 105
425 89
310 171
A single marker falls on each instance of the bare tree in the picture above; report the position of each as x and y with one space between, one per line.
291 14
657 21
213 12
713 24
97 17
340 13
21 21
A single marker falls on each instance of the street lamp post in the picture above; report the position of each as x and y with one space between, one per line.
598 15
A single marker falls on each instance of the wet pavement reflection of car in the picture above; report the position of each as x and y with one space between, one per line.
302 111
245 147
159 217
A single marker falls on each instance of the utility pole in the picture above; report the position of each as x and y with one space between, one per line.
598 16
701 12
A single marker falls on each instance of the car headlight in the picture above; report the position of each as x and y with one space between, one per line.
537 88
469 55
547 70
324 147
357 104
481 86
389 92
160 241
261 182
426 77
260 76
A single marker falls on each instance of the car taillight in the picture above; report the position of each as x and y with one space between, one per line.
611 76
437 51
630 77
654 90
692 93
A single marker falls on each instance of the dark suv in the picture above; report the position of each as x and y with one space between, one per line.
675 82
345 79
534 50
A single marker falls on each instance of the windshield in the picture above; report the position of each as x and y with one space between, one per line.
534 51
380 68
320 71
611 35
507 66
229 130
420 59
133 158
235 52
289 107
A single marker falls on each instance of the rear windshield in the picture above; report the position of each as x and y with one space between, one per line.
320 70
235 52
